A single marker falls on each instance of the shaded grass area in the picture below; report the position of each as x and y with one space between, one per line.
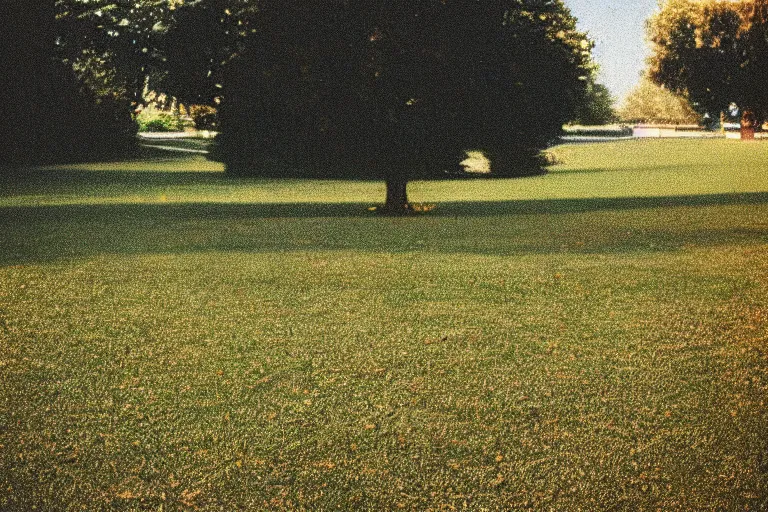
253 344
493 228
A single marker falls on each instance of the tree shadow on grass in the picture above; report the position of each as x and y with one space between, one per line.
138 177
37 234
144 175
197 170
582 205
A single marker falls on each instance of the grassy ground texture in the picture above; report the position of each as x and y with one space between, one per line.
592 339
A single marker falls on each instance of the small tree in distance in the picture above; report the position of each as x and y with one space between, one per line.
398 90
650 103
597 107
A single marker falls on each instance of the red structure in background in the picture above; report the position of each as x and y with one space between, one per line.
748 125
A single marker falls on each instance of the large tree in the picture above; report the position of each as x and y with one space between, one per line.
398 90
714 52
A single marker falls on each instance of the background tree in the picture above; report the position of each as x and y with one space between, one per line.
202 38
398 91
650 103
597 107
713 52
120 48
114 45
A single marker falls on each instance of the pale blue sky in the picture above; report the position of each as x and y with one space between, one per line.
618 29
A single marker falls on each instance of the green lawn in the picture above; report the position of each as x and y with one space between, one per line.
592 339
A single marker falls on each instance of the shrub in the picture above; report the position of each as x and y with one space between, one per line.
204 117
152 120
616 130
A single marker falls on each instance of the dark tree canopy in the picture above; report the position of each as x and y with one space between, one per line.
713 52
50 114
114 45
597 107
76 69
202 39
397 90
367 88
174 46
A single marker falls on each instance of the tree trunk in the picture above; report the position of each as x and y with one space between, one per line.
397 198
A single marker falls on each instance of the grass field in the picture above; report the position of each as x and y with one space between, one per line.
592 339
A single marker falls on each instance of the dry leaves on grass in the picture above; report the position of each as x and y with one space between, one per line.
127 495
189 498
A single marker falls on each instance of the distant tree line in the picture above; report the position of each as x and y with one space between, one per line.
597 107
650 103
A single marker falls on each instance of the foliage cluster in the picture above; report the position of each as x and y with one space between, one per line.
597 107
651 103
51 114
400 91
204 117
714 52
121 37
201 41
154 120
181 46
